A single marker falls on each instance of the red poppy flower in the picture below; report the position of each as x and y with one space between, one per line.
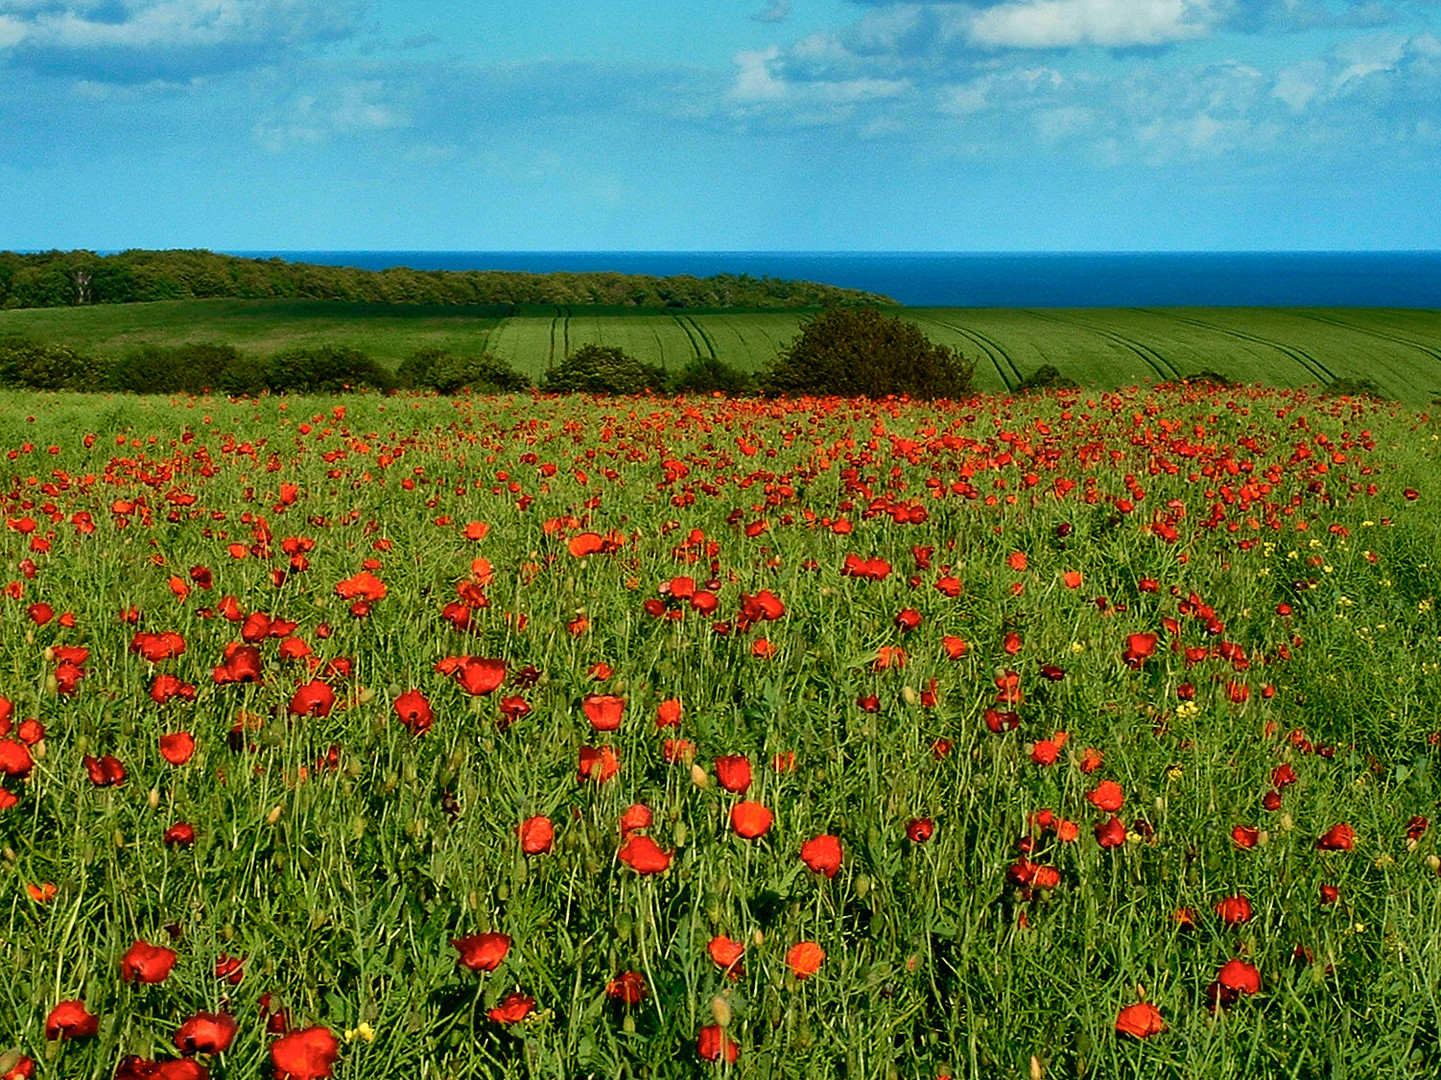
229 969
482 952
177 748
954 646
315 698
920 830
15 759
180 834
909 619
308 1054
1111 832
636 816
1337 838
668 713
1139 648
644 855
1239 976
147 963
239 664
105 771
477 675
157 647
414 712
712 1044
805 958
603 711
1045 751
23 1069
822 854
586 543
1234 910
70 1020
206 1033
733 772
1245 836
629 988
726 954
537 834
751 820
1107 796
598 763
1329 894
363 586
513 1008
1140 1021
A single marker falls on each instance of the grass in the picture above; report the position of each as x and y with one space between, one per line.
1400 350
1301 576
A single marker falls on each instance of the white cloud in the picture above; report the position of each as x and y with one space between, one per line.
317 117
1299 84
131 40
754 80
1063 24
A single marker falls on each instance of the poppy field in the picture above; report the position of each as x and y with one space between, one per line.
1081 734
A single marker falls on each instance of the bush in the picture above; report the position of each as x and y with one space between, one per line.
1355 388
859 352
37 365
602 369
1047 377
324 369
708 375
446 373
189 369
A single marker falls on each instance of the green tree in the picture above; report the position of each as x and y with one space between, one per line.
861 352
40 365
602 369
324 369
446 373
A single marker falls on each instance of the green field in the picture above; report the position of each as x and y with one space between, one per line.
1398 349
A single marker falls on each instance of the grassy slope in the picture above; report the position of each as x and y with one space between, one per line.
1399 349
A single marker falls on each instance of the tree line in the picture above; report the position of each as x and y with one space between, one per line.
74 278
845 351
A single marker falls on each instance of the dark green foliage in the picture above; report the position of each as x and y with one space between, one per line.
191 369
1046 377
60 278
446 373
42 366
861 352
1355 388
1210 378
708 375
324 369
602 369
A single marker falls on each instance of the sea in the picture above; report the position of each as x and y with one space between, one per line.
1396 279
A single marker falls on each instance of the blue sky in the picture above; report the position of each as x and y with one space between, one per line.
720 124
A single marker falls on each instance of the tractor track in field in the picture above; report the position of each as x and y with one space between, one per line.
690 335
1301 356
699 329
1164 369
994 352
1394 337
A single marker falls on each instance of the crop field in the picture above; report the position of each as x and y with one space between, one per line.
1400 350
1086 734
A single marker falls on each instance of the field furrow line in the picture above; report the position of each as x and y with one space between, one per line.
1163 367
709 344
994 352
1393 337
690 335
1301 356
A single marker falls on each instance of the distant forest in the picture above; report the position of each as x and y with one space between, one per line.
74 278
